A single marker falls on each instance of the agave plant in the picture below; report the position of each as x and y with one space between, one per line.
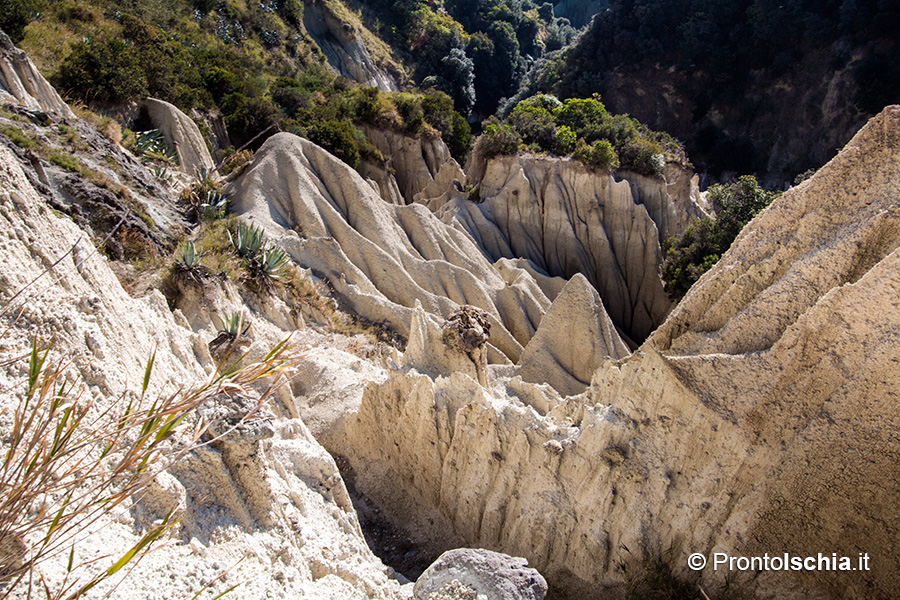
162 172
187 257
209 206
247 240
205 180
271 264
153 144
232 324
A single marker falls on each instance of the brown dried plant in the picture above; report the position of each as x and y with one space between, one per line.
66 462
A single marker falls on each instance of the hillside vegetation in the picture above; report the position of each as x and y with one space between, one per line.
253 63
752 86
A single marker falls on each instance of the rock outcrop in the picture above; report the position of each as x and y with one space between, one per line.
343 47
671 200
485 573
575 337
381 258
422 165
182 134
20 79
752 422
566 219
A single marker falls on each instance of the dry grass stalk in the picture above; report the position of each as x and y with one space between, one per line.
68 461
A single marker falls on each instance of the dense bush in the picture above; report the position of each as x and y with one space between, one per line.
15 15
583 128
705 240
339 138
103 70
438 111
498 139
599 155
534 123
643 156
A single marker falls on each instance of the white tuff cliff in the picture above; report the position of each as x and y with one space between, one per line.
20 80
182 134
380 257
300 537
566 219
756 420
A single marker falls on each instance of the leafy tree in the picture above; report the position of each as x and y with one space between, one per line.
459 72
705 240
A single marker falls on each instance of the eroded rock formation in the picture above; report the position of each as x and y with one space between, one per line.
416 162
575 337
566 219
754 421
182 134
275 498
380 257
21 80
343 47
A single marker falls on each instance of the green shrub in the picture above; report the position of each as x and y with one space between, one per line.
565 141
221 83
689 256
15 15
291 11
339 138
105 69
498 139
410 109
438 110
643 156
599 155
583 115
535 124
247 116
736 203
